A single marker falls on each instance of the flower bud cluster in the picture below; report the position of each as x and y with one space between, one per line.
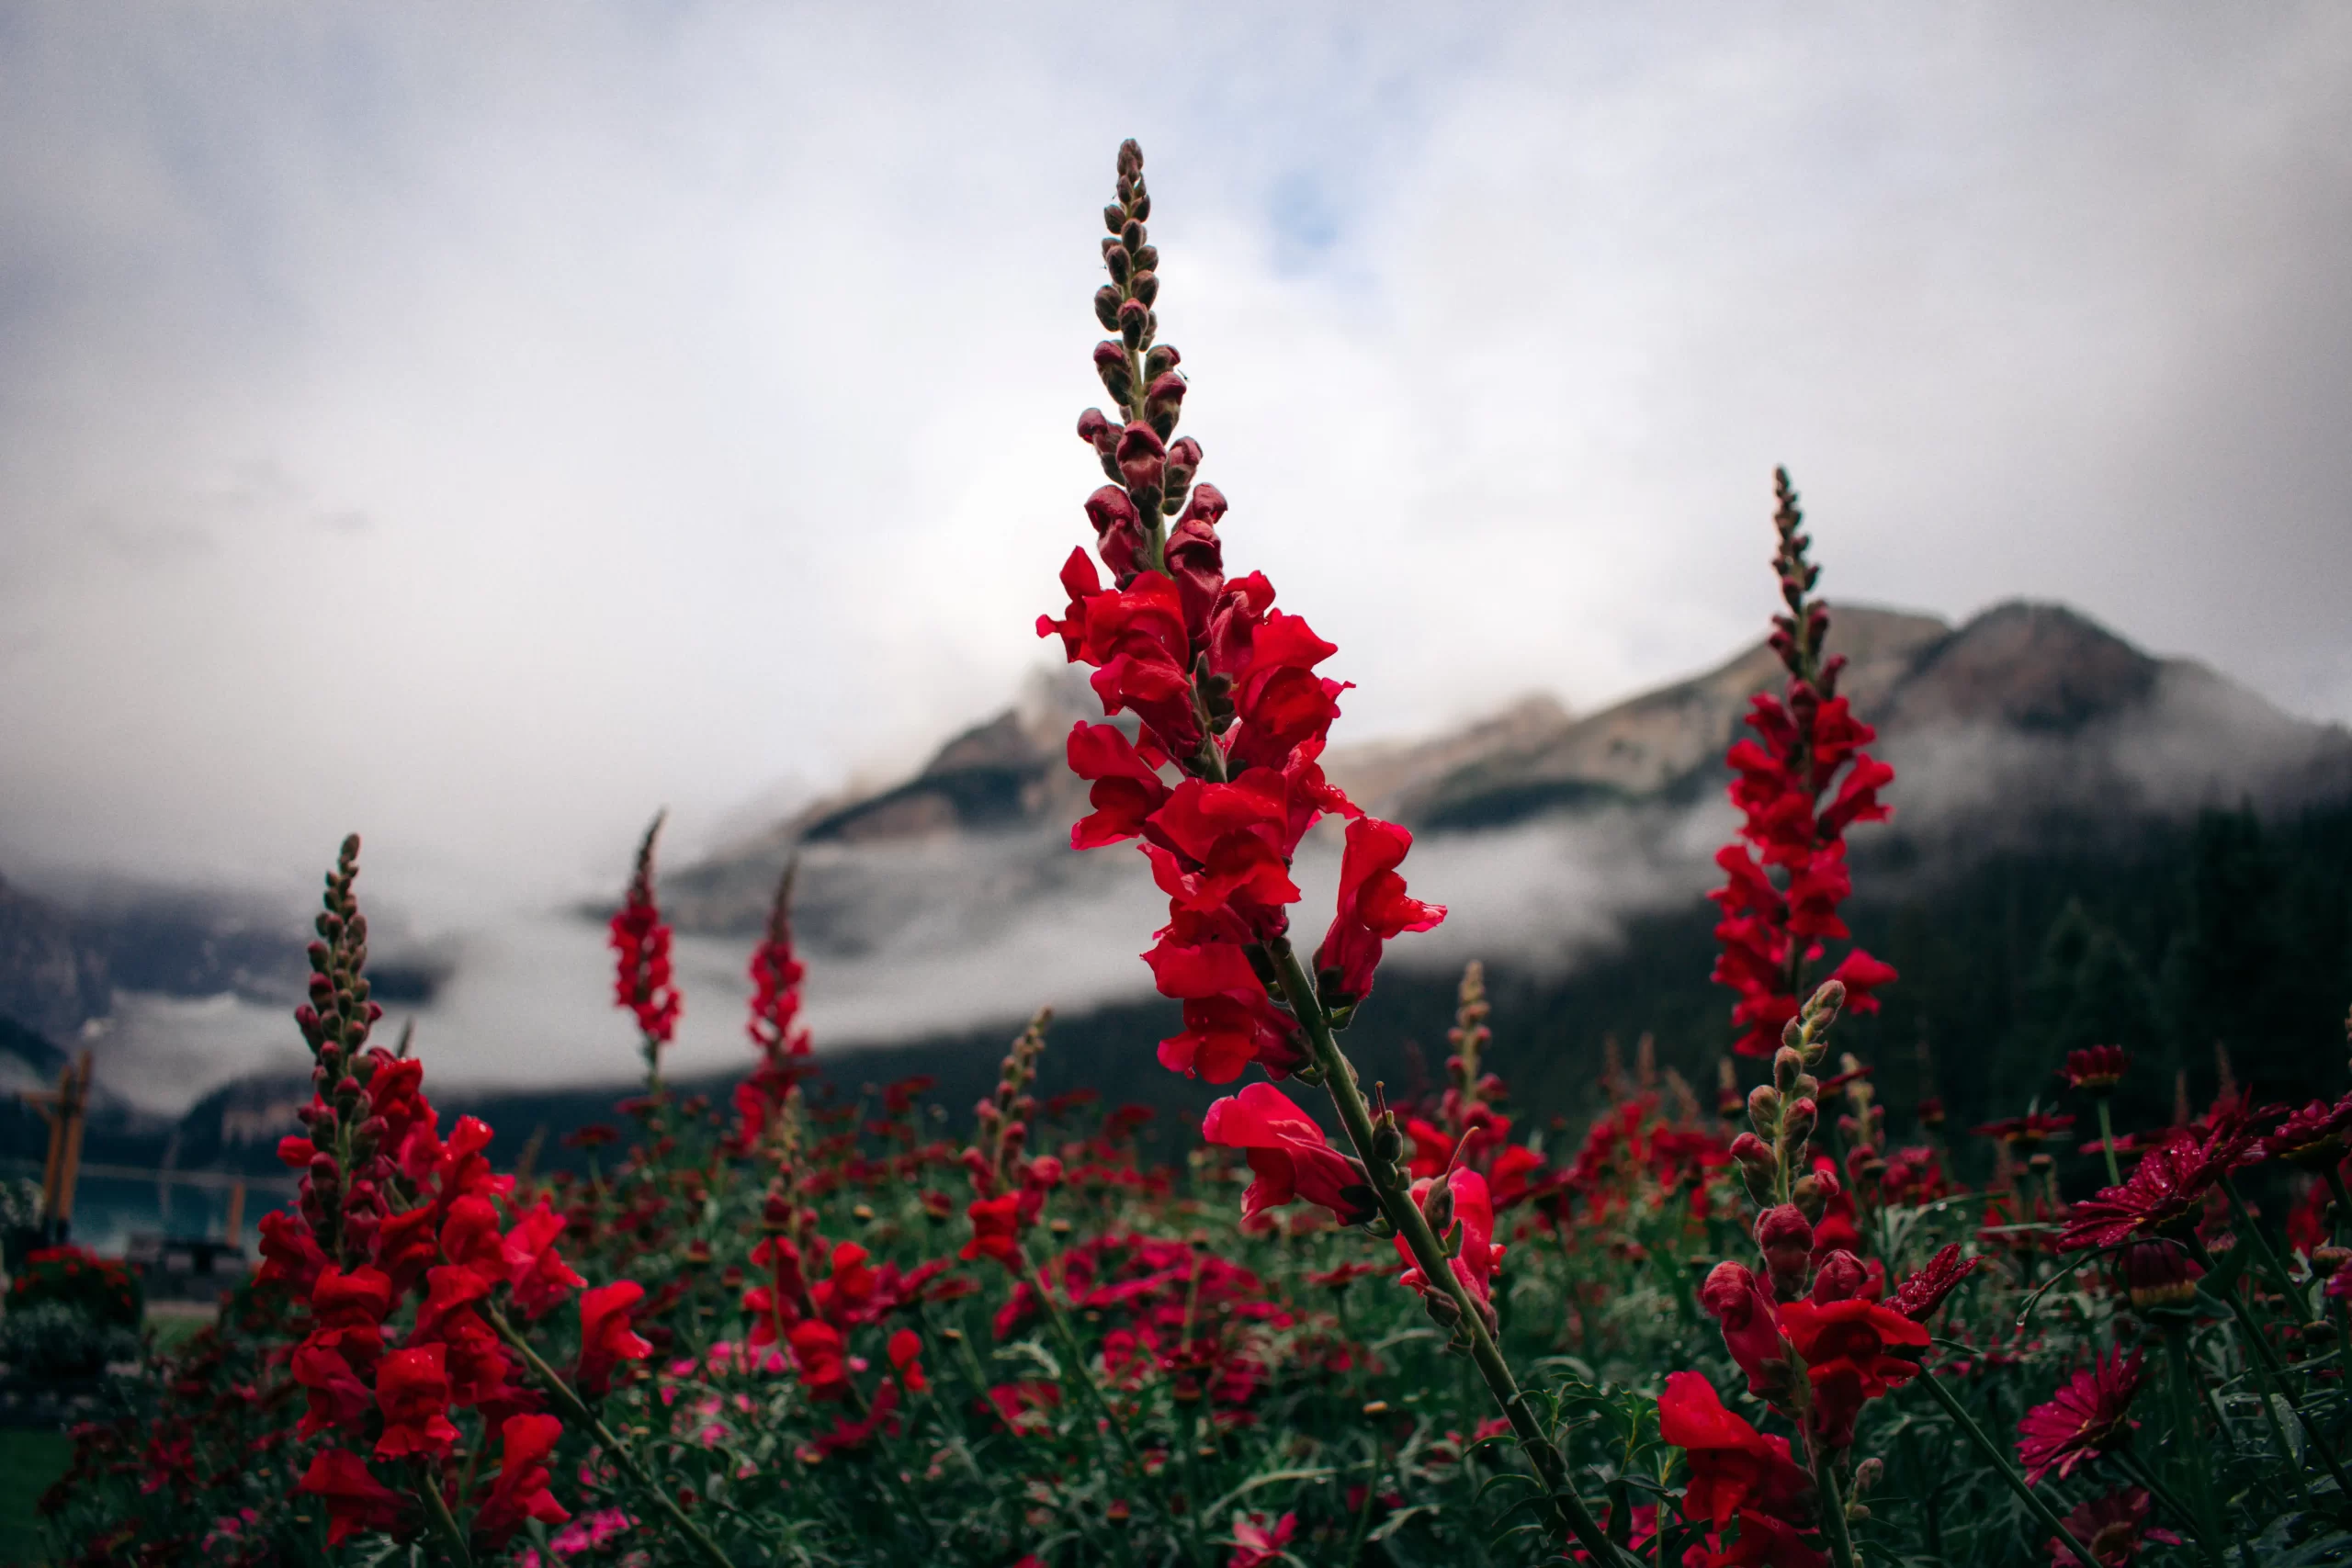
1466 1110
389 1215
1009 1185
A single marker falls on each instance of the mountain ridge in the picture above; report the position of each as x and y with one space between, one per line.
2025 710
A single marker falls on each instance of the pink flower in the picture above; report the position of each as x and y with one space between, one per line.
1256 1543
2089 1416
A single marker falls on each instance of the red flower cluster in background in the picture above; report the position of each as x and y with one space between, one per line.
1806 744
390 1214
640 942
774 1025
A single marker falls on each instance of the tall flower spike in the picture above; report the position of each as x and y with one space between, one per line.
642 982
1786 874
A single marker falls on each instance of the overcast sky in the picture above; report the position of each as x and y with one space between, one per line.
481 425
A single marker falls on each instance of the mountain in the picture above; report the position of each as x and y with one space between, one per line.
2027 720
54 979
2025 707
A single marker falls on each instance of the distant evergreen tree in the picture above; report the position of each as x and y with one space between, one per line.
2230 974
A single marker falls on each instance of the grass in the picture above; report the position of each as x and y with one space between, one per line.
29 1462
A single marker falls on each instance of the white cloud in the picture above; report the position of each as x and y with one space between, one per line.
481 427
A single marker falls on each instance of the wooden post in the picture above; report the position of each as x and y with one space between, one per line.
73 1114
235 1226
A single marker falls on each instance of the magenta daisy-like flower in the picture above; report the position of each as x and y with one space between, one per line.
2314 1137
2114 1528
1918 1297
2165 1188
2087 1418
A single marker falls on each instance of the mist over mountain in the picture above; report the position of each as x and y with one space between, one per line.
1572 850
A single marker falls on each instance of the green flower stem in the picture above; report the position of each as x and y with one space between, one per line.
2107 1138
429 1488
1992 1455
1076 1354
2182 1386
1835 1527
2262 1249
577 1410
2264 1358
1396 1203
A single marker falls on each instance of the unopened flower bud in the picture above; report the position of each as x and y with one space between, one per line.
1148 259
1387 1140
1116 258
1130 158
1106 308
1839 1278
1785 1237
1131 235
1811 1192
1799 1120
1764 1110
1441 1308
1788 1065
2327 1260
1437 1206
1111 364
2159 1273
1161 403
1868 1473
1145 285
1114 217
1160 361
1133 317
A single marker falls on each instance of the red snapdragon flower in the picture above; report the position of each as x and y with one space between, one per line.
640 941
412 1391
540 1277
996 1229
1290 1155
1733 1466
1806 743
606 1338
1736 1298
1471 1211
519 1491
355 1500
1374 910
905 1353
1226 692
2087 1418
1851 1350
